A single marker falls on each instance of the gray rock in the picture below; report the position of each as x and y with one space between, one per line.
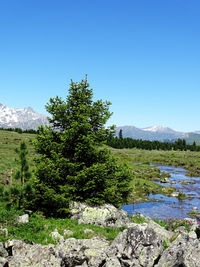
88 231
112 262
185 251
56 236
161 231
3 262
175 194
82 265
137 246
68 232
165 180
106 215
31 255
180 229
23 218
76 252
4 231
3 252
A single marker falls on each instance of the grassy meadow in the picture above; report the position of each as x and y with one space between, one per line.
9 141
39 228
144 175
188 160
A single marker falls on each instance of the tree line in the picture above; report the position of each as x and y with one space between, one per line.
120 142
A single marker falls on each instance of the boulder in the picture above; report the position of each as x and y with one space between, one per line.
185 251
112 262
106 215
161 231
56 236
22 254
3 262
78 252
3 251
137 246
23 218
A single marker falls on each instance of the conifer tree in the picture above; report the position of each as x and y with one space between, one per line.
16 194
120 134
72 163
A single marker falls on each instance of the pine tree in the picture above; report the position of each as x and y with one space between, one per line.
120 134
72 164
15 195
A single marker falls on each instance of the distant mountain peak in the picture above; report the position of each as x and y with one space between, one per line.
159 133
159 128
24 118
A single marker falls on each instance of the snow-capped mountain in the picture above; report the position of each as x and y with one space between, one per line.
160 129
152 133
25 118
158 133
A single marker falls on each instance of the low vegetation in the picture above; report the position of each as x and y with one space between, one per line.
172 224
38 229
188 160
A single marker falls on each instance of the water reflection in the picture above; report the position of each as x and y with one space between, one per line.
171 207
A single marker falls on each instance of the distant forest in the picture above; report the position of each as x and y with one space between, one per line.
120 142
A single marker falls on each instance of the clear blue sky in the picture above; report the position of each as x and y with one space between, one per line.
142 55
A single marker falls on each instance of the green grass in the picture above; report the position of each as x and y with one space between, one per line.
39 228
138 219
144 175
9 141
193 213
173 224
188 160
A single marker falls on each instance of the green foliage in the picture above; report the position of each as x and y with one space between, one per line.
38 229
15 194
162 223
188 160
165 244
138 219
72 165
172 224
181 196
120 142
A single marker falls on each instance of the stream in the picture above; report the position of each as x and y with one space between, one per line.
170 207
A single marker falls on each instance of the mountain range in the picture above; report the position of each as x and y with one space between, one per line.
25 118
158 133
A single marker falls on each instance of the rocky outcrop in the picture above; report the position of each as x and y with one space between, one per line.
139 245
184 251
106 215
89 252
22 254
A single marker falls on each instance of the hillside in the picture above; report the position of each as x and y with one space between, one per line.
158 133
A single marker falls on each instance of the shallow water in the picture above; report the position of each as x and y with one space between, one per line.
170 207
